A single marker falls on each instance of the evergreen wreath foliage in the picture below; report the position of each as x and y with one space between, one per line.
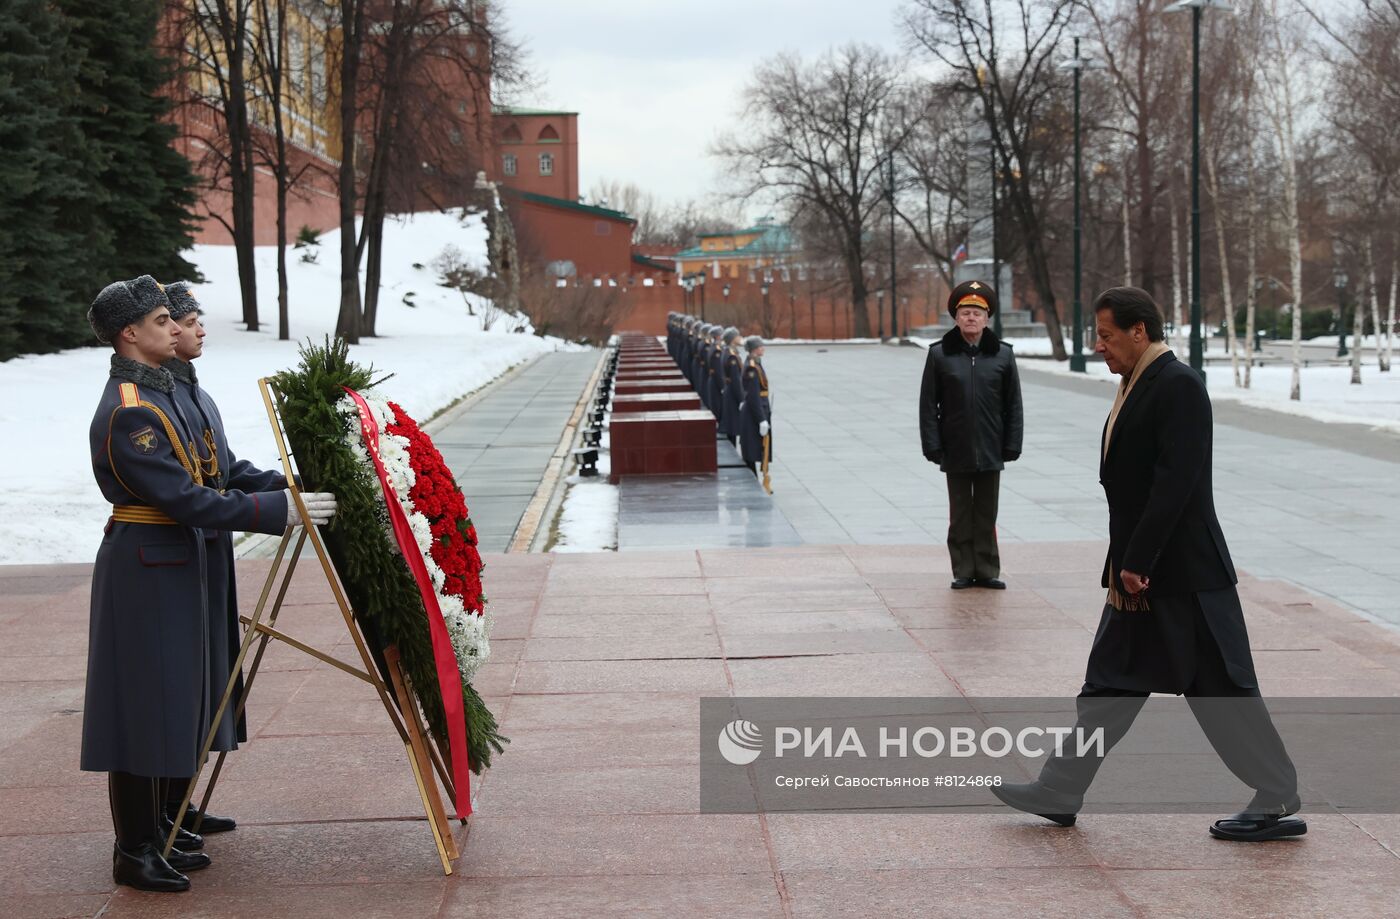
381 590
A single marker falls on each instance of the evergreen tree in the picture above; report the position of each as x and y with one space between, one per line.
148 184
47 237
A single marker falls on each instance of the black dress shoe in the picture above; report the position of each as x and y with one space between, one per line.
188 861
962 583
212 823
144 869
1034 798
184 839
990 583
1262 825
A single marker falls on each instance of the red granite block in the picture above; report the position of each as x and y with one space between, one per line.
638 387
653 402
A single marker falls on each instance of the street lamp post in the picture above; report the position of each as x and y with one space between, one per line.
880 314
767 323
702 296
1076 361
1196 7
894 313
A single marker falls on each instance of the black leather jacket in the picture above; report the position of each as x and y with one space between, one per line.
970 417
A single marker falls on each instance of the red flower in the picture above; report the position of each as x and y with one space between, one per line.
436 496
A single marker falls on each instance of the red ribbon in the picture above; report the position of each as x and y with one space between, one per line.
449 678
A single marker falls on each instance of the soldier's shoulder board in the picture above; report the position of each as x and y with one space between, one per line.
131 396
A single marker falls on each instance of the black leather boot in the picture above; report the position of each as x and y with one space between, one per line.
1260 822
144 869
184 839
212 823
1035 798
188 861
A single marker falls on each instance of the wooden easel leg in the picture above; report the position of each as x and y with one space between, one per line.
237 666
416 747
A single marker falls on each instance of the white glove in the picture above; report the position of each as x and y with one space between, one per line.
763 429
320 508
741 406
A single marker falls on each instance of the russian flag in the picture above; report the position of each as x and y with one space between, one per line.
960 253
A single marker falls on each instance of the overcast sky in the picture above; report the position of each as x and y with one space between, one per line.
654 81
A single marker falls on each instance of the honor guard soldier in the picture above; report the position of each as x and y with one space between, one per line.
700 369
971 424
733 373
685 346
755 426
223 471
147 703
715 372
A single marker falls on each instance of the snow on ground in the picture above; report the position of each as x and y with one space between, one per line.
1327 392
588 515
50 508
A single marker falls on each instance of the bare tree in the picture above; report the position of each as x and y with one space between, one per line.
1016 90
351 22
218 35
932 181
1283 101
820 133
1145 56
279 75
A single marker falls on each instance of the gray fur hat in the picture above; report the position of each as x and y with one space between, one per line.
753 343
182 299
716 331
121 303
730 334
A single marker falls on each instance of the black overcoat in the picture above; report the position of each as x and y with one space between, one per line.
1162 525
715 373
970 404
733 369
222 470
147 703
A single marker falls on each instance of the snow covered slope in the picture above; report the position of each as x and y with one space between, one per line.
50 509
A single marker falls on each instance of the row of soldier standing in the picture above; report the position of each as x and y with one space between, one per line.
164 628
732 386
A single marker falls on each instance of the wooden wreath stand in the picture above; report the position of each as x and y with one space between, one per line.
399 698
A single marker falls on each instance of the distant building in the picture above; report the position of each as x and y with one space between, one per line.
764 245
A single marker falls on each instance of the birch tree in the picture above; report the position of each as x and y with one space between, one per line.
1283 102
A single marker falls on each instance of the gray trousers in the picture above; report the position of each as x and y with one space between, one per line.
972 524
1234 719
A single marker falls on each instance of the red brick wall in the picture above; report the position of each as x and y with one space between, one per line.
797 309
596 245
564 182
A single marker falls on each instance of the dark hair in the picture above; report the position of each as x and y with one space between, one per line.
1131 305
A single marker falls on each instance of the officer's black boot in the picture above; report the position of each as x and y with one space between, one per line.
136 858
184 839
211 823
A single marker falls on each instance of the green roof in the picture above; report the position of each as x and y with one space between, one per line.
522 110
762 228
570 205
772 239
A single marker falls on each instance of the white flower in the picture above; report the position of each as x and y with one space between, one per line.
468 631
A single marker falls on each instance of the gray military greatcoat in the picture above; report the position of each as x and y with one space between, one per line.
221 470
147 703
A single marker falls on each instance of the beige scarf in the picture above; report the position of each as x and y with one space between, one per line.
1117 599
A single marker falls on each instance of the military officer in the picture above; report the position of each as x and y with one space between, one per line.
733 372
700 368
221 470
147 702
715 372
971 424
755 426
685 346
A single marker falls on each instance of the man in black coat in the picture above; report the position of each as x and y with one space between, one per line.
971 424
1173 622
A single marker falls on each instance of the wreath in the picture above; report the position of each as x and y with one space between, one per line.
330 437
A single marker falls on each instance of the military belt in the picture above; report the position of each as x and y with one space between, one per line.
763 393
129 513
